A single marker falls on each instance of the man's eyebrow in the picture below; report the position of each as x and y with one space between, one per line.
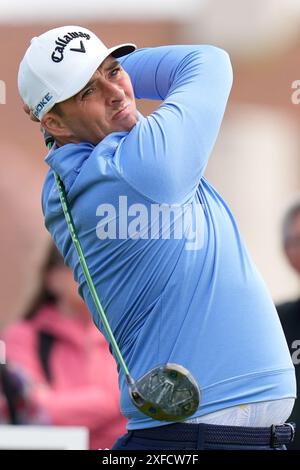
92 80
112 65
109 67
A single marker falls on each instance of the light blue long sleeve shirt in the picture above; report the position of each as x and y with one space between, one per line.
168 262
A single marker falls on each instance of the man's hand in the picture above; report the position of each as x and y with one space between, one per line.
30 113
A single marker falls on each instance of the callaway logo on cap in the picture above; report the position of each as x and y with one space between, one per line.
46 73
58 53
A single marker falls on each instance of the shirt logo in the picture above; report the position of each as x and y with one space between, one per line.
58 53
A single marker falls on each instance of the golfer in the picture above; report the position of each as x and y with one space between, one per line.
164 251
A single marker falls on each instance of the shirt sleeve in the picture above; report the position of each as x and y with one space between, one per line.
165 154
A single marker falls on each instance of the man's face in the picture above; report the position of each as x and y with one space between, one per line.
292 244
105 105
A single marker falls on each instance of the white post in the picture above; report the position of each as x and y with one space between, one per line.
2 92
2 352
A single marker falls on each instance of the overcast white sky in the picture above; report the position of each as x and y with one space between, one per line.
14 11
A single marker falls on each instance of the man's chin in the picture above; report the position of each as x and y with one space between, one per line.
127 125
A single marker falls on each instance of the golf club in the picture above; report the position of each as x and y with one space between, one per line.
168 392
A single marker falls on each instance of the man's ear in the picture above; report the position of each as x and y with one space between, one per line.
55 125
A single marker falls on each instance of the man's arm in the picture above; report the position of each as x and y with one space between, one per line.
164 156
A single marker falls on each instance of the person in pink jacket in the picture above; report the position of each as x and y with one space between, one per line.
63 353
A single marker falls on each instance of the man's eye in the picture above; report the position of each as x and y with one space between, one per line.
87 92
115 71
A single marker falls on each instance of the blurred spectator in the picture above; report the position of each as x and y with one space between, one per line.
289 312
67 358
17 405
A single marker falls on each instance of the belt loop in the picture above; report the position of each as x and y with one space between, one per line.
201 436
274 439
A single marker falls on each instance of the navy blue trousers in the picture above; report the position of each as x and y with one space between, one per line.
182 436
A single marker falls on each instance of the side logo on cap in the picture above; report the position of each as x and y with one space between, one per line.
58 53
44 101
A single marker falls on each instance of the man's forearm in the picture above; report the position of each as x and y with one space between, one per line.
155 72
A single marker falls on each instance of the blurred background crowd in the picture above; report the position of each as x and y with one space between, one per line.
255 165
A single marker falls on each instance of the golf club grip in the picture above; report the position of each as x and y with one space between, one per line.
48 138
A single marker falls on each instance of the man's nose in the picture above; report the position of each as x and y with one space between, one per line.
113 92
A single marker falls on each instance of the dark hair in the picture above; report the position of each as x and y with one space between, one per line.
43 295
57 110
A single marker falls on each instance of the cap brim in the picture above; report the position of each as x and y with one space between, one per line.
122 49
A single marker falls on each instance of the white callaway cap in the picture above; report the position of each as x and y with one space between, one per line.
59 63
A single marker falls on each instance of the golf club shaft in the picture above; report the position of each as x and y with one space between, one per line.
76 242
